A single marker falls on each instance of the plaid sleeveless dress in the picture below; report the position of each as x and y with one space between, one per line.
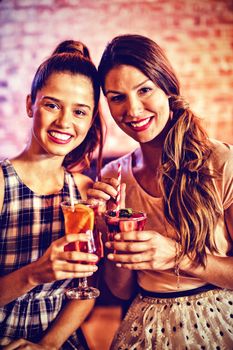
28 225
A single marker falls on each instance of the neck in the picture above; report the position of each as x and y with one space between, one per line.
151 152
43 175
40 161
146 163
151 156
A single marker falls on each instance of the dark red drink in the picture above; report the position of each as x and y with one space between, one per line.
124 221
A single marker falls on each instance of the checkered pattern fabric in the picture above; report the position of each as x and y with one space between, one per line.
28 225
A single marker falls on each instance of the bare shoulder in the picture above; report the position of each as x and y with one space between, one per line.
2 186
83 183
110 169
222 153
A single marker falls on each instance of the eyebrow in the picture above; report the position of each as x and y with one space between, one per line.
135 87
57 100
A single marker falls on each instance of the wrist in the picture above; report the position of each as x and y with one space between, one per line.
53 339
30 275
48 346
185 264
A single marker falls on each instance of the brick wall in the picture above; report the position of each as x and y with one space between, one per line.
196 34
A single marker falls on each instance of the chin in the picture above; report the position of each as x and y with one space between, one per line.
145 138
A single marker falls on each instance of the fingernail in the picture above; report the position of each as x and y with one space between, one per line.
108 244
118 265
117 236
110 256
94 258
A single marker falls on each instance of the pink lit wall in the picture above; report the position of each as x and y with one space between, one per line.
196 35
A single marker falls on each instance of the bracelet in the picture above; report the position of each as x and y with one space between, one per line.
177 266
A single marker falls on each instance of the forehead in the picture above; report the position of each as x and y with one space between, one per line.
122 75
55 80
66 85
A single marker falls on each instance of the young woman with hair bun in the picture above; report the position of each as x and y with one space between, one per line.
179 270
35 269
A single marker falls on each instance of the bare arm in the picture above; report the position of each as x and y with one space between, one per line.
219 270
71 318
54 265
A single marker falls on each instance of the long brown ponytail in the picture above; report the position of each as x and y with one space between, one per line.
189 195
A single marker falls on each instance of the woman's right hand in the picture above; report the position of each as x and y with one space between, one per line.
142 250
57 264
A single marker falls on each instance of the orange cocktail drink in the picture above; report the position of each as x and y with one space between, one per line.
78 219
81 218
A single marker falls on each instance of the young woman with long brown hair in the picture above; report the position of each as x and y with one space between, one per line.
180 268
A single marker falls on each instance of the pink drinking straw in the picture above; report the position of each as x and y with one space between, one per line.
118 198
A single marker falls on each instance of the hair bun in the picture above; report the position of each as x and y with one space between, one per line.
72 46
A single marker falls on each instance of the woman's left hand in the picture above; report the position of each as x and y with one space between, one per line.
142 250
106 189
23 344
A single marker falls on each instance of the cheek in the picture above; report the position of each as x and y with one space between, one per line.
37 122
162 108
115 111
116 115
83 126
118 123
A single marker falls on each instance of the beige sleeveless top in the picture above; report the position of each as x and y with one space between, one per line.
136 198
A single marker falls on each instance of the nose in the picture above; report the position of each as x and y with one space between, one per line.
64 119
134 106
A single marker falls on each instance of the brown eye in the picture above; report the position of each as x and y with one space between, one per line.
144 90
117 98
80 113
51 105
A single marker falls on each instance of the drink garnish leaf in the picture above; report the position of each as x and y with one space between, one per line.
125 213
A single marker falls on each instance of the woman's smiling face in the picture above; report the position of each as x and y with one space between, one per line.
62 113
139 107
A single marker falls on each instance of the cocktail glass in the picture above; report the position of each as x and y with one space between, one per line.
80 218
124 221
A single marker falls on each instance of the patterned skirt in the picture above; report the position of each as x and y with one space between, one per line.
196 319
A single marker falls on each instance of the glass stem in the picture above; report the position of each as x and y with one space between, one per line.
82 282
